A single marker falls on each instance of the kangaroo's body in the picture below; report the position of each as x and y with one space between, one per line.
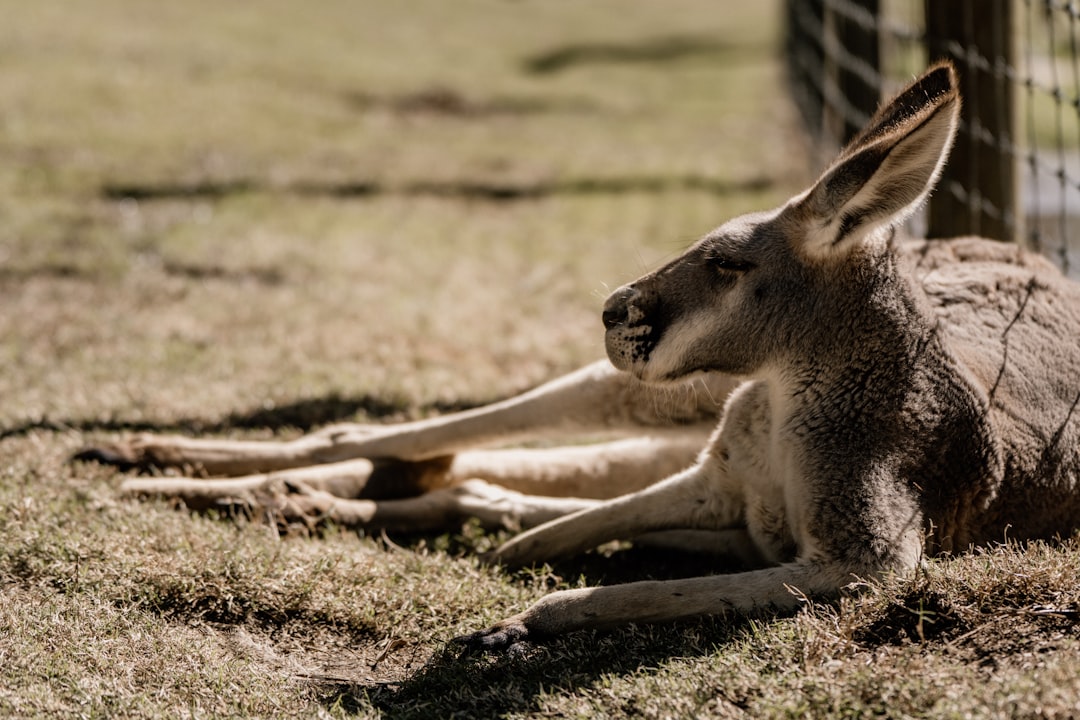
880 400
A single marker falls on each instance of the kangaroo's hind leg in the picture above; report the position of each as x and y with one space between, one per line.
521 487
596 399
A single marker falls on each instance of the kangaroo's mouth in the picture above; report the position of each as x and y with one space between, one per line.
633 328
629 347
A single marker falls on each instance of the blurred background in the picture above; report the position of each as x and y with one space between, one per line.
273 214
268 215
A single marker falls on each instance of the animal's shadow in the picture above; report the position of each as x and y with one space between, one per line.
454 682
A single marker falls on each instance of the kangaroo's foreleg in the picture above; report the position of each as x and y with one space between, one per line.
779 587
696 498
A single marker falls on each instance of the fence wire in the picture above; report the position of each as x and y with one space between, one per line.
1015 171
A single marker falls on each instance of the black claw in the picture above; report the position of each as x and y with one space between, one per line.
104 456
489 559
494 639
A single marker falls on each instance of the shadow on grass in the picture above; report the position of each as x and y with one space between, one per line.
458 189
304 415
197 190
310 413
267 277
454 684
270 277
51 270
448 102
672 48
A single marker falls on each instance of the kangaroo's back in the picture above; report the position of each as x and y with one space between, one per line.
1013 321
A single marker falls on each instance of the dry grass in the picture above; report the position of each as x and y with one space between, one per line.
252 219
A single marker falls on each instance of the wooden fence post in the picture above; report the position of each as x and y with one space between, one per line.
977 193
806 60
857 76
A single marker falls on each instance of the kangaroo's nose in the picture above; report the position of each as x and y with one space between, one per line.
613 317
616 309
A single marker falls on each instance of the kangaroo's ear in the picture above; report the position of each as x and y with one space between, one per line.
886 171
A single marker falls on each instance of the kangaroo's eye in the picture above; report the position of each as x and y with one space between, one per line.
729 265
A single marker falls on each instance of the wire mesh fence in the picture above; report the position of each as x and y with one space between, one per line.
1014 173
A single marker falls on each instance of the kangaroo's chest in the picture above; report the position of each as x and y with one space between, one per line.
763 464
812 485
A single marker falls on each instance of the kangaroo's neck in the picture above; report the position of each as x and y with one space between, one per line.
875 328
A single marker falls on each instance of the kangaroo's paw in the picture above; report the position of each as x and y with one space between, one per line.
115 455
301 502
497 638
141 452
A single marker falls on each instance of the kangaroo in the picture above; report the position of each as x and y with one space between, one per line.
877 400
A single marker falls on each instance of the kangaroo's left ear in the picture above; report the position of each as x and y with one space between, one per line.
886 171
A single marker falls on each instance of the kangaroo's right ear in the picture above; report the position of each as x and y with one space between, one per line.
886 171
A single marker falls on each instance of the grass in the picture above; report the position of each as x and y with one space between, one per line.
251 220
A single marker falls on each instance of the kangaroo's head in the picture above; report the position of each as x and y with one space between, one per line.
734 301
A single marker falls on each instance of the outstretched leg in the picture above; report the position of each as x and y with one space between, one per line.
521 488
696 498
595 399
492 505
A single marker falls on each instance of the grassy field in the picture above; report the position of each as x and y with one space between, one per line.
251 219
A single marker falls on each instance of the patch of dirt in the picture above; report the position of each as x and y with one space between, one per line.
327 658
917 616
1016 637
300 642
1002 635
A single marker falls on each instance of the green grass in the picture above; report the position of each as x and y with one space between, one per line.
184 205
250 219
